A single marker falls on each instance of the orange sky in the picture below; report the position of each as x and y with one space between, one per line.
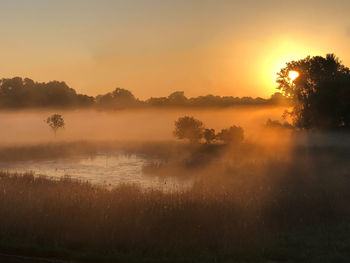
154 47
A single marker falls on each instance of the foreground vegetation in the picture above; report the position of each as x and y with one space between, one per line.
244 208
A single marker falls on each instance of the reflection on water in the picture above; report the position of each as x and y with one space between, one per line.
103 169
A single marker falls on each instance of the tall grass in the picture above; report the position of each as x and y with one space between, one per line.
246 210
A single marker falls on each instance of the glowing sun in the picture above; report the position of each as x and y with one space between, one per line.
293 75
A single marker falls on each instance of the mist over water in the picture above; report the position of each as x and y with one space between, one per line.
275 181
125 127
138 146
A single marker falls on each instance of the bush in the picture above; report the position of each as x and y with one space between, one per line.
209 135
234 134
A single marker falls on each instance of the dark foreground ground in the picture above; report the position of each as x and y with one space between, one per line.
248 205
27 259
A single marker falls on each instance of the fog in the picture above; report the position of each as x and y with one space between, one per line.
93 143
29 127
263 189
128 146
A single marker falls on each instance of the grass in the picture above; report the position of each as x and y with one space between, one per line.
244 209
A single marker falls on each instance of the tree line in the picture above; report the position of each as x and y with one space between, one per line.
319 95
25 93
16 93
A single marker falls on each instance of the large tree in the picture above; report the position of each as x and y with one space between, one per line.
189 128
117 99
320 92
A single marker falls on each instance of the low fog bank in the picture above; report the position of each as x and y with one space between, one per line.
25 134
217 165
26 137
29 127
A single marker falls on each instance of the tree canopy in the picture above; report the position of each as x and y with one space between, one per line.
119 98
194 130
320 95
232 135
189 128
25 93
17 93
55 121
209 135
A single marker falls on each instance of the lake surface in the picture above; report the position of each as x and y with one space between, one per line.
102 169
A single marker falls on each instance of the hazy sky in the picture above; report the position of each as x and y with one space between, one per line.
154 47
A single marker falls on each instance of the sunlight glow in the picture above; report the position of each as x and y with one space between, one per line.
293 75
270 61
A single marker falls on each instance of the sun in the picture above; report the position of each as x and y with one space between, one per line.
293 75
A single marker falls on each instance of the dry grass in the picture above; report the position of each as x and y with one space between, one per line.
245 209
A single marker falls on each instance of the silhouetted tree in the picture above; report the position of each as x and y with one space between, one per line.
56 122
234 135
209 135
320 96
161 101
177 98
189 128
24 93
119 98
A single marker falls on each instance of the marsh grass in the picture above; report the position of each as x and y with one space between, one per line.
244 209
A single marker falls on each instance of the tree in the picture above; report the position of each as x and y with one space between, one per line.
25 93
162 101
189 128
320 95
209 135
56 122
278 99
119 98
232 135
177 98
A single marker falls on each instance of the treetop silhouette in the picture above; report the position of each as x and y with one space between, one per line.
17 93
194 130
320 95
55 121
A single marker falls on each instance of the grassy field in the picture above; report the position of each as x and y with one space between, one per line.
244 209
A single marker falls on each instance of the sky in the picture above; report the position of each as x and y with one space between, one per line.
155 47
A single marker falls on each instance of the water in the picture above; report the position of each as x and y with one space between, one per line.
101 169
27 127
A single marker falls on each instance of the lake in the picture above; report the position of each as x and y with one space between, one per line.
107 169
20 128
